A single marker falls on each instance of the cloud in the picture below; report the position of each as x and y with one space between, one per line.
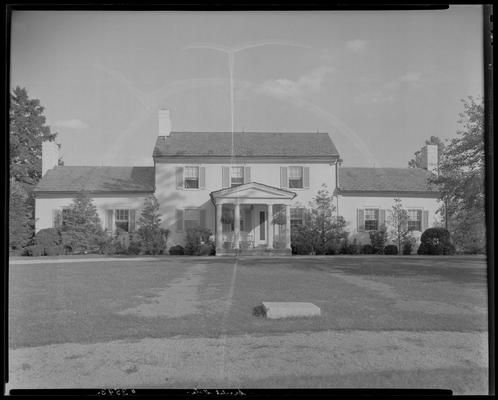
70 123
389 91
356 45
311 82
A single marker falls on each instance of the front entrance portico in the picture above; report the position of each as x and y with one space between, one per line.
252 216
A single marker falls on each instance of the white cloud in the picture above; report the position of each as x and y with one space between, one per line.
312 82
389 92
70 123
356 45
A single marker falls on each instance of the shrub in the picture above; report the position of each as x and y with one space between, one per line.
367 249
391 249
378 240
135 246
34 251
349 248
48 237
436 241
194 239
205 250
54 250
407 248
176 250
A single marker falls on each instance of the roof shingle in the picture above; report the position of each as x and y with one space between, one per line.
97 179
246 144
384 180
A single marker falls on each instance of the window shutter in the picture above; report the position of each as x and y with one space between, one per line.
382 218
179 220
225 177
247 174
56 218
425 220
389 216
283 177
179 177
361 221
202 217
132 220
202 177
108 220
306 177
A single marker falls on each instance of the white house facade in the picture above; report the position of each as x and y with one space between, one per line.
234 183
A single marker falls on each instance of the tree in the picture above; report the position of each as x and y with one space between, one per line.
81 228
20 217
398 221
417 161
322 231
152 237
27 132
461 179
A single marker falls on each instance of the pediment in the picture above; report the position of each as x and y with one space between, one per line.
253 190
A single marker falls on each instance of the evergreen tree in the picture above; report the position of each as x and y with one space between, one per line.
398 221
153 238
20 217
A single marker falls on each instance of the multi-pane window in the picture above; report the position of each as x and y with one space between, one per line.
371 219
415 220
191 178
296 216
296 177
65 215
122 220
237 176
191 218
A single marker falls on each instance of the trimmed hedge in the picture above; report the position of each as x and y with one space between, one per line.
177 250
391 249
367 249
436 241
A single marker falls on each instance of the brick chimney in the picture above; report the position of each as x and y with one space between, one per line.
50 156
164 122
430 158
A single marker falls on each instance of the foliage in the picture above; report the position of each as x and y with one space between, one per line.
378 240
227 217
195 238
391 249
461 180
20 217
35 250
279 217
48 237
436 241
81 229
398 221
176 250
322 231
367 249
417 161
350 248
408 245
151 236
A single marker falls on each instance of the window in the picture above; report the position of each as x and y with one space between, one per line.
371 219
415 220
122 220
237 177
296 216
65 215
191 178
192 218
296 177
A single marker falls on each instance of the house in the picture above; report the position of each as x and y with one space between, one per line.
234 184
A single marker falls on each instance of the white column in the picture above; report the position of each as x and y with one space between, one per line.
236 227
219 226
270 226
287 227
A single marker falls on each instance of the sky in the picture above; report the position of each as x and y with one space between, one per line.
379 82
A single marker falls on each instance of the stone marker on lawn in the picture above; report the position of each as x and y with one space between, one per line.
286 309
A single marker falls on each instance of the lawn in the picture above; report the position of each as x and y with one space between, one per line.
205 300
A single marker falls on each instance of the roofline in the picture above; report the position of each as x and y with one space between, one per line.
98 193
389 193
174 159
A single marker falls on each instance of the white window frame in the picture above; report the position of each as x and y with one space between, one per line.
232 167
420 213
116 220
376 211
185 219
185 167
302 216
289 176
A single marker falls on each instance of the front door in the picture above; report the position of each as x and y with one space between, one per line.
260 225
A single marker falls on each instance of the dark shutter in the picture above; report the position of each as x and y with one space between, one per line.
108 220
202 217
56 218
425 220
179 177
202 177
247 174
179 220
283 177
306 177
382 218
361 221
132 220
225 177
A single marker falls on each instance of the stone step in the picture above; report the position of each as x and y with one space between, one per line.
289 309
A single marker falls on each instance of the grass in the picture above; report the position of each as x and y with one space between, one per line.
84 302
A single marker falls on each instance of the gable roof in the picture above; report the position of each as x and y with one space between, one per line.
97 179
384 180
253 190
246 144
